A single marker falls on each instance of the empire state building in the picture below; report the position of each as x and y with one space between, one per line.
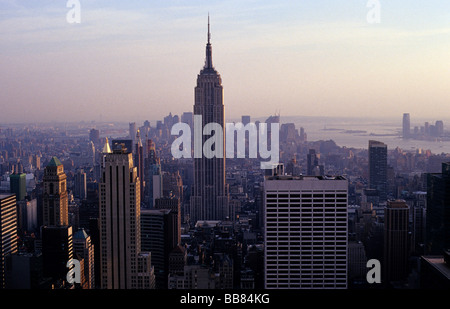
210 198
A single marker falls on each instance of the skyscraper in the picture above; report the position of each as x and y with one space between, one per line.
132 132
123 265
55 198
313 168
83 247
438 211
80 185
159 236
396 241
378 168
139 162
57 250
153 176
210 197
306 232
18 185
8 231
406 126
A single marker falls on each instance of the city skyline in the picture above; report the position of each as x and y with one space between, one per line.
281 56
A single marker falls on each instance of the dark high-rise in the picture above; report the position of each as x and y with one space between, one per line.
18 185
210 198
396 241
406 126
438 211
378 168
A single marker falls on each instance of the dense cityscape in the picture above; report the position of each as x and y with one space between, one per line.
94 205
223 254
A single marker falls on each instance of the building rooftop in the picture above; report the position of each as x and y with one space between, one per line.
439 264
287 177
80 234
54 162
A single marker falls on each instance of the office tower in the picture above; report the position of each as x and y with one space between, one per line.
418 213
94 231
396 241
188 118
37 162
209 200
27 218
305 232
245 119
357 261
438 211
378 168
159 236
439 127
18 185
132 132
406 126
139 162
173 185
123 265
8 231
80 185
313 168
55 198
94 136
177 260
83 247
153 176
24 272
57 250
174 205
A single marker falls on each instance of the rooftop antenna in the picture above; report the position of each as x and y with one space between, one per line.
209 32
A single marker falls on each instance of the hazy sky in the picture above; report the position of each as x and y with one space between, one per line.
136 60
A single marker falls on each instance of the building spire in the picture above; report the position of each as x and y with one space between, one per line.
208 62
209 32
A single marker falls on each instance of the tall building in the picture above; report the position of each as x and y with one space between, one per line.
153 176
439 127
57 250
174 205
18 185
55 197
159 236
8 231
80 185
396 241
313 168
210 198
139 162
83 247
437 235
123 265
132 132
94 136
406 126
306 232
378 168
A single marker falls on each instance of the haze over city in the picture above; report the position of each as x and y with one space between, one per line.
132 61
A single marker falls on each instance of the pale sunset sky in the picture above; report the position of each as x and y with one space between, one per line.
137 60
